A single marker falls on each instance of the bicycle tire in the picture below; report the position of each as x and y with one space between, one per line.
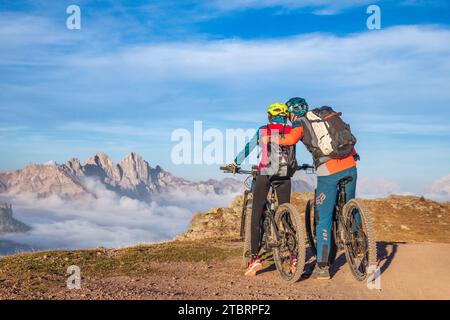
247 233
370 239
300 242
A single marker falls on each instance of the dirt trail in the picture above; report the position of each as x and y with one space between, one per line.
409 271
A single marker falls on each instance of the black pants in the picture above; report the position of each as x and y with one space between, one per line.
261 189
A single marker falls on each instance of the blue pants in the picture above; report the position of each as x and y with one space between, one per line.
326 193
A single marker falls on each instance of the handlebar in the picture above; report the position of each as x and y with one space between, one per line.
305 167
254 170
240 171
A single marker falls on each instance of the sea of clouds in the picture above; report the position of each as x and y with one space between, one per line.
109 220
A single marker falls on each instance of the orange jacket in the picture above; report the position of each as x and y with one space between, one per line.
332 165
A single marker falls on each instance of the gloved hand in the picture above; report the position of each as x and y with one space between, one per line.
356 157
232 167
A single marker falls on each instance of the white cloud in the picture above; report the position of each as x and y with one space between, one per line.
321 7
440 189
108 220
114 128
376 188
401 71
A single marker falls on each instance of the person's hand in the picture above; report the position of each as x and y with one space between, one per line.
232 167
266 139
356 157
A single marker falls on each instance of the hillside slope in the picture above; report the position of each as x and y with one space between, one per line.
396 218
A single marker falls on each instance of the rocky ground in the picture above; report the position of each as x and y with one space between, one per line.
413 252
396 218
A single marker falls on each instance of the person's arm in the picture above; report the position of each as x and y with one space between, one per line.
292 137
247 150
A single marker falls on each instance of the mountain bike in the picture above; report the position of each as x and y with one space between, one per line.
282 230
352 232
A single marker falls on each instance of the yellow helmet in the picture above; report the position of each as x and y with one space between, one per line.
278 109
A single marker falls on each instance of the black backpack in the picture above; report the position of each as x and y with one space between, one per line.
326 135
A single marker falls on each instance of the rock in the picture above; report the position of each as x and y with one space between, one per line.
7 223
43 181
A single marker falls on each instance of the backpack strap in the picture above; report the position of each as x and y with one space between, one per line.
269 135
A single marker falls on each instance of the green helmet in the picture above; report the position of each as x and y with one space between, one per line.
297 106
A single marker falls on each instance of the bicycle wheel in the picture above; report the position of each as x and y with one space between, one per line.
247 232
310 224
289 256
360 246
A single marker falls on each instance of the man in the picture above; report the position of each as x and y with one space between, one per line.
277 116
329 172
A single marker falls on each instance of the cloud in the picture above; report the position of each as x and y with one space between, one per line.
408 128
376 188
320 7
109 220
113 128
127 86
440 189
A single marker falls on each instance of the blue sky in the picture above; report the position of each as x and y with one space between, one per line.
137 70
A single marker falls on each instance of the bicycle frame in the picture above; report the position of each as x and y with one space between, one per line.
270 209
338 218
269 213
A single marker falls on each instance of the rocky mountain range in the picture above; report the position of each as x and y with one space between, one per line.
132 177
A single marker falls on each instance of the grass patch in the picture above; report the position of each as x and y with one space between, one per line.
126 261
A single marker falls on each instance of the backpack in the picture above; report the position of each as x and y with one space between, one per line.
326 135
285 158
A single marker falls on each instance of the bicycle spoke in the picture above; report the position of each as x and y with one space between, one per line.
356 243
288 244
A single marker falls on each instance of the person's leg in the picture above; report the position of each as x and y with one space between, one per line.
325 201
262 185
350 188
283 189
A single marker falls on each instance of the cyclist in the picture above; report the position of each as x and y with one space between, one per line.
277 116
329 172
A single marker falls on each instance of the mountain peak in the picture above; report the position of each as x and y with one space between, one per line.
99 157
102 162
133 156
51 163
134 169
